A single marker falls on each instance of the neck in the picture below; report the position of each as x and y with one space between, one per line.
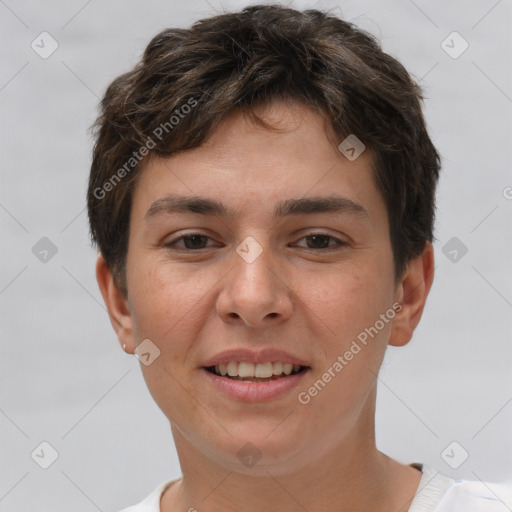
349 474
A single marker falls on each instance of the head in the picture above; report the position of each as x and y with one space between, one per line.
248 110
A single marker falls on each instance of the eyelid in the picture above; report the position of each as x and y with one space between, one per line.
173 243
339 241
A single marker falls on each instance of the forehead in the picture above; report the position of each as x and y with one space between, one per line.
246 166
297 132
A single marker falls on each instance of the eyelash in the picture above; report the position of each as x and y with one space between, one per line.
172 245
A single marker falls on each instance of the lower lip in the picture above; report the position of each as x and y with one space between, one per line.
255 391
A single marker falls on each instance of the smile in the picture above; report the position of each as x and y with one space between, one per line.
245 386
251 372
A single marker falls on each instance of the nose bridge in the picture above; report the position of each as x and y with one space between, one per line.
253 292
253 269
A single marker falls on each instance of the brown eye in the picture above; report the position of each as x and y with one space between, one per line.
321 241
191 242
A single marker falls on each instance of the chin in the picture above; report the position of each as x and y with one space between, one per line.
261 453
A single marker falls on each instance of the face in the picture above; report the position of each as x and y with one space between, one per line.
307 282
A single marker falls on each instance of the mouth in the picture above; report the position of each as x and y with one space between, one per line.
261 372
255 382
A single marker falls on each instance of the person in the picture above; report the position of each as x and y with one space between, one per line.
262 195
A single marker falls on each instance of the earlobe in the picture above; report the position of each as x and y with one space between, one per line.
117 305
412 293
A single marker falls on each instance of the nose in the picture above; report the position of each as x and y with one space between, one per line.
255 293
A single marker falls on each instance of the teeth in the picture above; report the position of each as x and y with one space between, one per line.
261 370
246 369
232 369
277 368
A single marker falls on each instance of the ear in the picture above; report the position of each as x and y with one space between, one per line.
412 293
117 305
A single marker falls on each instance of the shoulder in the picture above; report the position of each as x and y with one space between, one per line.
152 502
476 496
439 493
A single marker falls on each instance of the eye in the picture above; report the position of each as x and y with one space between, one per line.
192 242
196 241
321 239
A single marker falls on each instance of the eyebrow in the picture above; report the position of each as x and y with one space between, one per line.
307 205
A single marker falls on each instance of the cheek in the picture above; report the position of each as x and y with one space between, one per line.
354 351
164 303
351 307
347 301
165 309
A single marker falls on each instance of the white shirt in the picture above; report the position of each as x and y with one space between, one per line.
436 493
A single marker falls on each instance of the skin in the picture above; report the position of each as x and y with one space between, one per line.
295 296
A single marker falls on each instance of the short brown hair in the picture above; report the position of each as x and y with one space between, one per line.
240 60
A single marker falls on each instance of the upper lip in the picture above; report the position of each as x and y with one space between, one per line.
251 356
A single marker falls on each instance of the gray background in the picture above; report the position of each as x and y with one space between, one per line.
64 378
